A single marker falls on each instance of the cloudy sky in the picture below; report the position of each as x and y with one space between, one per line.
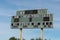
8 8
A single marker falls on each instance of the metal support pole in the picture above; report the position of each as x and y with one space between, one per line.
41 35
20 33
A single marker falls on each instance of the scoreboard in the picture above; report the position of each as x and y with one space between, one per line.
32 19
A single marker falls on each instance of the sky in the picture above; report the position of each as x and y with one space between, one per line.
8 8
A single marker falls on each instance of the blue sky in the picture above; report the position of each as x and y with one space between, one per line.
8 8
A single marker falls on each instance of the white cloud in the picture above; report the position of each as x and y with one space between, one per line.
3 28
6 32
34 3
55 39
6 12
56 25
56 18
4 25
25 3
56 0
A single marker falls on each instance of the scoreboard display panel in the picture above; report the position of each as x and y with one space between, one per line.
32 19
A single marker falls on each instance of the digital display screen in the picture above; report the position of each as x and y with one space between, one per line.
31 12
16 20
45 18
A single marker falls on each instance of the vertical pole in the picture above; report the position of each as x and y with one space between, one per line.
41 35
20 33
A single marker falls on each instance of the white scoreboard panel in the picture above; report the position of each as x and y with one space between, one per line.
29 12
32 19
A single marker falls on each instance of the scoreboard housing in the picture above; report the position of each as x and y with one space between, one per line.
32 19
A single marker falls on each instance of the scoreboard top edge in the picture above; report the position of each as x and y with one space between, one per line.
32 9
35 11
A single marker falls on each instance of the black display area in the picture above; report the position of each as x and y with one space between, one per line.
31 12
45 18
